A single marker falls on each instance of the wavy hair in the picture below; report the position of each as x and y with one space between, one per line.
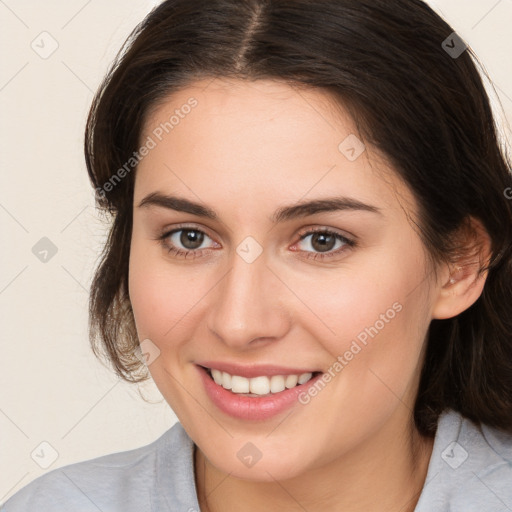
420 104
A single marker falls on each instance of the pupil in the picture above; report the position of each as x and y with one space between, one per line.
191 239
323 242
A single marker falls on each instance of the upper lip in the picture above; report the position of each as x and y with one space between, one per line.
254 370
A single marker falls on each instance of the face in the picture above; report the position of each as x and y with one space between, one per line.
253 283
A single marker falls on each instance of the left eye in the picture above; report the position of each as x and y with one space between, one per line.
323 241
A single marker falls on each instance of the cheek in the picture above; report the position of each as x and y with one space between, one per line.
164 300
354 301
160 293
170 302
380 354
162 297
373 322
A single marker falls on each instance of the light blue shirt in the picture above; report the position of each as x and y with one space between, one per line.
470 470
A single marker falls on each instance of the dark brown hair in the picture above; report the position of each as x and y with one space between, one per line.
421 105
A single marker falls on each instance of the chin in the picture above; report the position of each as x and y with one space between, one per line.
247 461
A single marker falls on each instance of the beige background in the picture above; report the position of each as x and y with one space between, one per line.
53 390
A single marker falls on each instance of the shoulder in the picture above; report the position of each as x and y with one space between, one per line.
119 481
488 481
470 467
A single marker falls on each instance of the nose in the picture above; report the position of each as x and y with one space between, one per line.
248 308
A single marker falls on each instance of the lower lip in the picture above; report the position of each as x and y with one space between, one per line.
252 408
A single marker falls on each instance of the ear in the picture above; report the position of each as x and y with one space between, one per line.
462 282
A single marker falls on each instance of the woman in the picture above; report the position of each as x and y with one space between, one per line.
311 254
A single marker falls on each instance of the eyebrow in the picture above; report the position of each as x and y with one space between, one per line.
303 209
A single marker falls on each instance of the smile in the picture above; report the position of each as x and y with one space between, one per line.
257 395
258 386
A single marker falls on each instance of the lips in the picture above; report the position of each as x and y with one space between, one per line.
255 370
253 406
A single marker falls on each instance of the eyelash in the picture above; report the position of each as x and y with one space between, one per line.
180 253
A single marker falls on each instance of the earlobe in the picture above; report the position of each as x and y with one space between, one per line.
466 279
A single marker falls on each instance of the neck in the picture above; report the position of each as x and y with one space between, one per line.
386 473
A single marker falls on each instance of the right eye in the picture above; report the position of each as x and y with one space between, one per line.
185 241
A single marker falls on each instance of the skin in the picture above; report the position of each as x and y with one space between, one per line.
354 446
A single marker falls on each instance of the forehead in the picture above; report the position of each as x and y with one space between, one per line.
260 141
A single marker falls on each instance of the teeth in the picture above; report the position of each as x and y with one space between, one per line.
291 381
305 377
277 384
239 384
258 385
217 376
226 380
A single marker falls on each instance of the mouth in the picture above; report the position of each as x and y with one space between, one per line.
262 393
261 385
